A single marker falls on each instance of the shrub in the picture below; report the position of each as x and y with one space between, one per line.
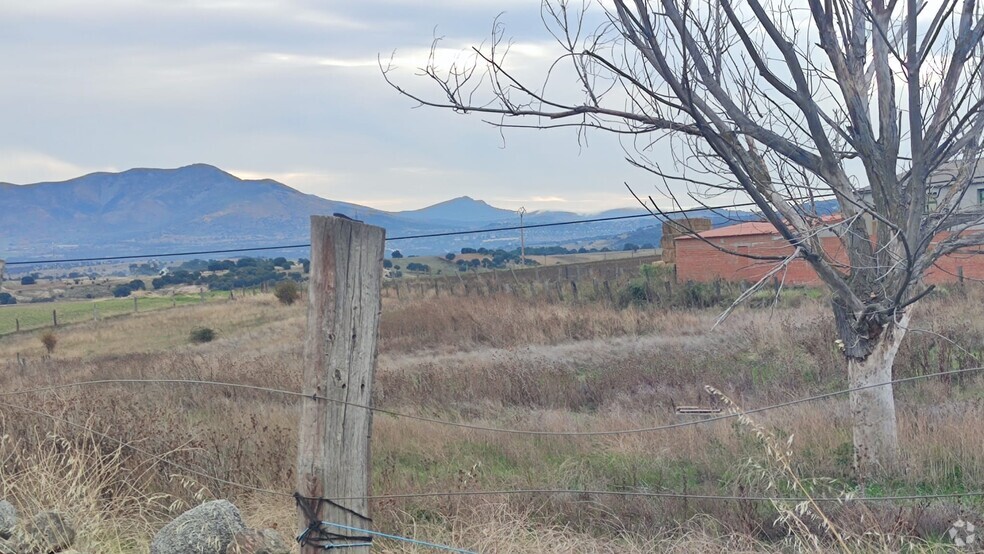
121 291
287 292
28 280
449 256
396 255
635 292
7 298
201 335
387 264
50 341
137 284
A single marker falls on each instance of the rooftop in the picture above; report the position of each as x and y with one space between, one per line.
750 228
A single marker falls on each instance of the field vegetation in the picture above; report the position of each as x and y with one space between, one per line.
509 360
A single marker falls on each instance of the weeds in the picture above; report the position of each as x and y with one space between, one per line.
504 360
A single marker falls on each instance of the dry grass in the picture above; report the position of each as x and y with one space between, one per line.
499 361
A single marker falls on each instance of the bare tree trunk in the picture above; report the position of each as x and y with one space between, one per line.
876 436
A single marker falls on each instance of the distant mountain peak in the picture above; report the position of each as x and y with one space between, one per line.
463 209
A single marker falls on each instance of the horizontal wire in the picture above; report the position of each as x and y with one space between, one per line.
673 495
431 545
475 427
159 457
406 237
645 494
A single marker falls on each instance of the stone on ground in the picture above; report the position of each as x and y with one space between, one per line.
252 541
45 533
8 519
207 529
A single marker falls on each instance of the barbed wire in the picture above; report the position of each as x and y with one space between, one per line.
485 428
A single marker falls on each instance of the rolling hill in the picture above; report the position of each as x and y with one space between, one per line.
202 207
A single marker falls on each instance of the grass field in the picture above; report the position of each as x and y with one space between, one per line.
503 360
38 315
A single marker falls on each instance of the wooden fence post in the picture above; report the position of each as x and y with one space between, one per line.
960 275
54 317
344 305
134 304
17 322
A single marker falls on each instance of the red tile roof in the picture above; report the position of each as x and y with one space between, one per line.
739 230
750 228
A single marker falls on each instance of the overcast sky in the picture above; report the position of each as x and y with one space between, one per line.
286 89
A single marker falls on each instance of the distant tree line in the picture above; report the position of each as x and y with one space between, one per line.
230 274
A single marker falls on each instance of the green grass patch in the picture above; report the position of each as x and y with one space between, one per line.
39 315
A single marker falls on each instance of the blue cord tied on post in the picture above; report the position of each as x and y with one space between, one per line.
315 533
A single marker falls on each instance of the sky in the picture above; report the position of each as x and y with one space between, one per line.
289 90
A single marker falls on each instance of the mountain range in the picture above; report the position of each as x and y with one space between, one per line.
201 207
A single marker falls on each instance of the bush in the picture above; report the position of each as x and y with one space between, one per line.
137 284
287 292
50 341
635 292
121 291
7 298
396 255
449 256
28 280
201 335
387 264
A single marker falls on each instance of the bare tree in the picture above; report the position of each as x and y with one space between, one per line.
877 103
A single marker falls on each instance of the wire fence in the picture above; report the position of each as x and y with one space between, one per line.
305 536
850 496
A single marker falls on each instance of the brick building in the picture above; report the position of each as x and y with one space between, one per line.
696 260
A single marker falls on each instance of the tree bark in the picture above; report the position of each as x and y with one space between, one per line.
876 437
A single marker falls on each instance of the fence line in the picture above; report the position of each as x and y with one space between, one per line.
490 429
432 494
105 308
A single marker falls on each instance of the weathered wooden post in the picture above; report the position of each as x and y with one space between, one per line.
344 305
134 304
54 317
95 312
960 275
17 323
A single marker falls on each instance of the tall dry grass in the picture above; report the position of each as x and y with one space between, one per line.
501 361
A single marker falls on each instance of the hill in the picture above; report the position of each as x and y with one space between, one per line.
201 207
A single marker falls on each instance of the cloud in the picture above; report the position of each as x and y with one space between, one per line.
25 167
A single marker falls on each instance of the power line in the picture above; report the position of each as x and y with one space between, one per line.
160 255
484 428
389 239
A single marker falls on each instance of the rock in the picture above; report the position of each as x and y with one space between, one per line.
45 533
207 529
252 541
8 519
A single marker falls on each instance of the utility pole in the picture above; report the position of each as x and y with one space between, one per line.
522 237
